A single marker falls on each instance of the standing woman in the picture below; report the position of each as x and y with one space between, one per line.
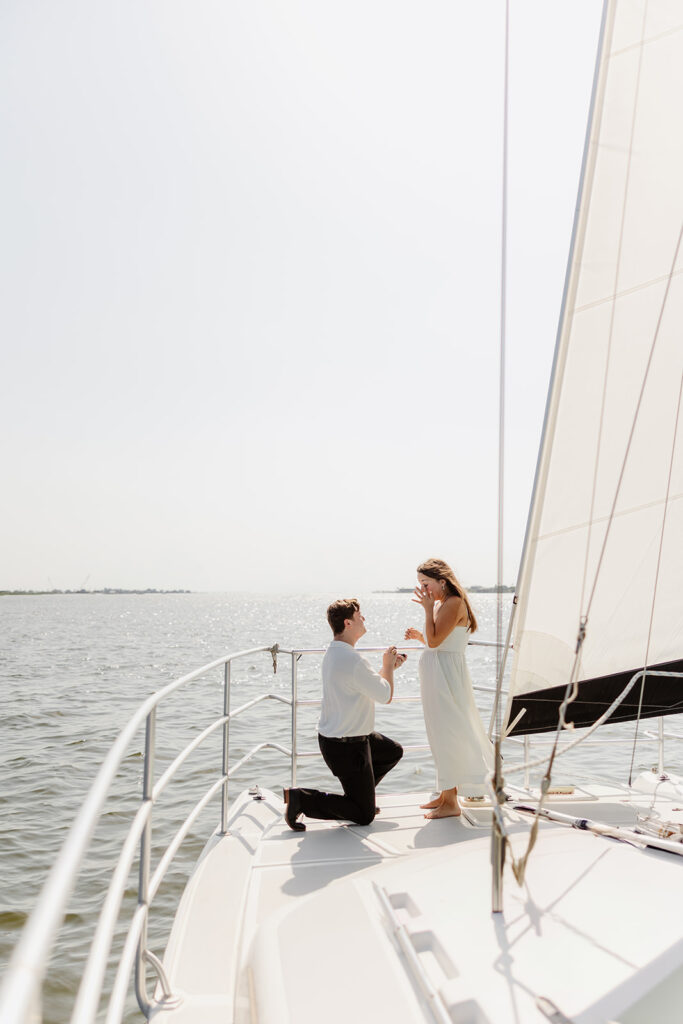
460 747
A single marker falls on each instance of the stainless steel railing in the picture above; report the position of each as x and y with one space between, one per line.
20 995
297 653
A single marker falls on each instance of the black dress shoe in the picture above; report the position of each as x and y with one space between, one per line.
293 810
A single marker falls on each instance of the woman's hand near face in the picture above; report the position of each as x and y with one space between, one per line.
422 596
414 634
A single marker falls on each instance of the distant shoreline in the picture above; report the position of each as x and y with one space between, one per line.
151 590
504 589
107 590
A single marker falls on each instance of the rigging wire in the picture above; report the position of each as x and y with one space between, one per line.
519 864
604 717
498 834
587 164
659 556
636 415
494 781
572 686
501 385
572 690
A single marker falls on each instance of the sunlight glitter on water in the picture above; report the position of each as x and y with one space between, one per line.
74 669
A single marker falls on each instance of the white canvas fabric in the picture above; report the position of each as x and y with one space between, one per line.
628 225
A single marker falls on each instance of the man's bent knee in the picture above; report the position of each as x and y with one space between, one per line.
397 755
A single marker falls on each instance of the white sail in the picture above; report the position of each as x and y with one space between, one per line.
621 331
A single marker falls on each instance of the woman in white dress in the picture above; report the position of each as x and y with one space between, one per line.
460 747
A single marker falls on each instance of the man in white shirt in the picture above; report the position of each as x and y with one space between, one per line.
353 751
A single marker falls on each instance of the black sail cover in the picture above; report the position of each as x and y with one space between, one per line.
650 696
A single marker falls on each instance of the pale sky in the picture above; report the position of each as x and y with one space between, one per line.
250 264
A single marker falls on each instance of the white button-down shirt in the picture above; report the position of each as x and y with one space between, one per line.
350 691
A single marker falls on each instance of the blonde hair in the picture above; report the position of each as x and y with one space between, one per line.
437 569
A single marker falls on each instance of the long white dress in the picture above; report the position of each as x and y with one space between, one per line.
461 749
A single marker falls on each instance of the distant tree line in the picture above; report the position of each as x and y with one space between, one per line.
106 590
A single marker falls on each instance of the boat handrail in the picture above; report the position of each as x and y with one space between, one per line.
19 996
664 735
317 701
89 993
375 650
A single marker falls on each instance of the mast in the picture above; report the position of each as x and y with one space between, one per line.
497 840
497 792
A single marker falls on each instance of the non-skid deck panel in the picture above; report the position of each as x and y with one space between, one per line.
326 961
575 933
262 870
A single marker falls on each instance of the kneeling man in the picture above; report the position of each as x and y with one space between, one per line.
353 751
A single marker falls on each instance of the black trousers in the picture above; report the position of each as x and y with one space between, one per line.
360 763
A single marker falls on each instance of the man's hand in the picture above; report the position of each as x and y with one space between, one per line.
390 659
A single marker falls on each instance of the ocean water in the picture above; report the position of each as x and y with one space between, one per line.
75 667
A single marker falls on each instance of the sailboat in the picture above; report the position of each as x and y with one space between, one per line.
573 924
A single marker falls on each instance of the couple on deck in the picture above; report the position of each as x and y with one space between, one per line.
361 757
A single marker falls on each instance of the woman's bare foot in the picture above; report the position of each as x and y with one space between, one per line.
446 810
446 806
436 802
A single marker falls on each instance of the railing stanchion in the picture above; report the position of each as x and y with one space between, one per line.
226 748
145 857
295 669
661 746
22 984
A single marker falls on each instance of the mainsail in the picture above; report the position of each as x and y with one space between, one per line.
604 549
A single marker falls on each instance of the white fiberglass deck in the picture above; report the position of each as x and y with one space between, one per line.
279 926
